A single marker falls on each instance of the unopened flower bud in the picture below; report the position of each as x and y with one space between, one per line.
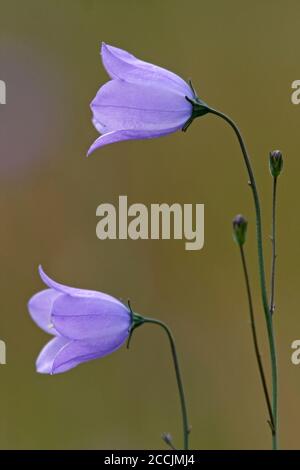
239 229
276 163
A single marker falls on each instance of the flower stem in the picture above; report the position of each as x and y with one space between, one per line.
255 340
272 295
185 423
268 316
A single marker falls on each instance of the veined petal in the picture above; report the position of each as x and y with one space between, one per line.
77 352
120 105
118 136
73 291
89 317
44 362
40 309
122 65
60 354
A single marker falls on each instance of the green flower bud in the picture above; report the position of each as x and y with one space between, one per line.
275 163
239 229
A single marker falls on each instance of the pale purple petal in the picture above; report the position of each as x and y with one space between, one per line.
73 291
44 362
40 309
90 317
60 354
77 352
118 136
122 65
119 105
100 127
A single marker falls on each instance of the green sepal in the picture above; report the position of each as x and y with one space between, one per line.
137 320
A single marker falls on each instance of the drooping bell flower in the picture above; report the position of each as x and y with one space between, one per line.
141 100
86 325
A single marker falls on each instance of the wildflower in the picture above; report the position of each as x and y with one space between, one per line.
86 325
141 100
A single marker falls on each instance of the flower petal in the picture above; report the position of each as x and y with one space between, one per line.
122 65
77 352
100 128
119 105
40 308
118 136
73 291
44 363
88 317
60 354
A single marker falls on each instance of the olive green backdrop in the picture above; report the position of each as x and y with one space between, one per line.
242 57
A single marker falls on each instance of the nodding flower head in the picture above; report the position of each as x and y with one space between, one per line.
141 100
85 324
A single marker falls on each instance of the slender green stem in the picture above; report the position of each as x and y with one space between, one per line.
185 423
272 295
255 340
268 316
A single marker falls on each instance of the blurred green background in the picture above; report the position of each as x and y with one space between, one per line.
242 57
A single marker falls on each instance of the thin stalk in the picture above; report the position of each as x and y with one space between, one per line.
255 340
272 295
268 316
185 423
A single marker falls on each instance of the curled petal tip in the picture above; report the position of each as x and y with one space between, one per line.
105 48
46 279
40 269
90 150
55 285
44 276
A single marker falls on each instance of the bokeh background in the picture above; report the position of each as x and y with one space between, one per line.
242 57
